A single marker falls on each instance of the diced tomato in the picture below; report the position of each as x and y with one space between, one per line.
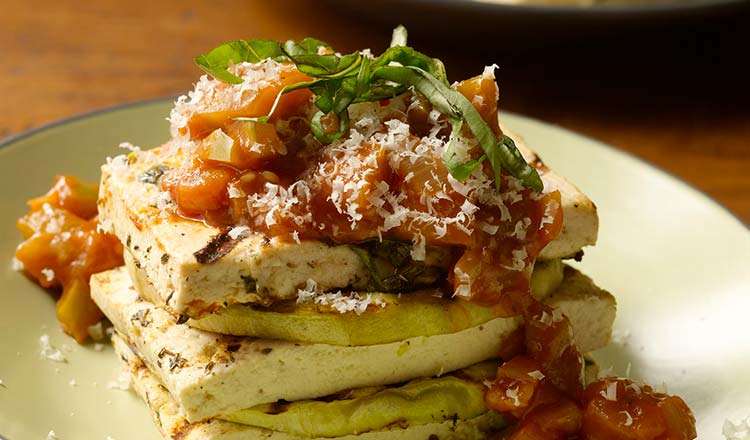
531 431
64 249
562 417
552 421
201 124
71 194
199 188
343 195
483 93
76 311
258 144
618 409
514 386
678 418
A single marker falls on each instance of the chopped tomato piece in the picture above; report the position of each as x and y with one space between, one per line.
200 188
201 124
257 142
483 93
72 194
552 421
76 311
619 409
562 417
514 387
63 248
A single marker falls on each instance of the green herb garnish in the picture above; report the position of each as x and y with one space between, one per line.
392 269
153 174
342 80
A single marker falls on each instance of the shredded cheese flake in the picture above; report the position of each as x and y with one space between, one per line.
512 393
237 231
610 393
342 303
463 279
49 274
48 351
123 382
736 431
16 265
536 374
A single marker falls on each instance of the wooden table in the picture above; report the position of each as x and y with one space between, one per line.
677 97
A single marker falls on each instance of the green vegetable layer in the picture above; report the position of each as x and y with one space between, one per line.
415 403
402 316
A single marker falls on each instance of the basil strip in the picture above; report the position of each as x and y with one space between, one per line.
342 80
220 58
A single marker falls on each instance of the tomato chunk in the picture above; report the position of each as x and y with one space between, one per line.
619 409
199 188
63 248
71 194
201 124
483 93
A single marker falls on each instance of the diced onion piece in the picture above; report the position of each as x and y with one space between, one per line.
218 146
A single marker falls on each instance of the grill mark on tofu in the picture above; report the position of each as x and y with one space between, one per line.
219 245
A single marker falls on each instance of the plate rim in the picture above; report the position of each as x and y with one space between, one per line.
18 137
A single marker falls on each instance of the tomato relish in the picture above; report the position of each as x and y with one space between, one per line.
62 247
275 177
608 409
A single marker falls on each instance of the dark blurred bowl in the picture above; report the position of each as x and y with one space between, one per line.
466 20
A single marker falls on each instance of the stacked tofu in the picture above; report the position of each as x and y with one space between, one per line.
225 339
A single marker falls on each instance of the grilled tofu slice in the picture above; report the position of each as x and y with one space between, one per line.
172 423
210 374
247 267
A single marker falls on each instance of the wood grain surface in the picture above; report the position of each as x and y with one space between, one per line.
675 93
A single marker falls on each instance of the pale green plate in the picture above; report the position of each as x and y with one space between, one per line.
678 263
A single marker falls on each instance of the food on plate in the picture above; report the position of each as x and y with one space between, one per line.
348 246
62 248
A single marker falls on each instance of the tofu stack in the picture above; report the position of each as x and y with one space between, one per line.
199 372
231 334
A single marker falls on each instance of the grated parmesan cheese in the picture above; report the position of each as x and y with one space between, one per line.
48 351
635 387
49 274
519 260
123 382
118 163
548 217
129 146
238 231
736 431
16 265
513 394
519 230
52 436
97 331
463 288
628 418
339 301
611 392
536 374
234 192
418 251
